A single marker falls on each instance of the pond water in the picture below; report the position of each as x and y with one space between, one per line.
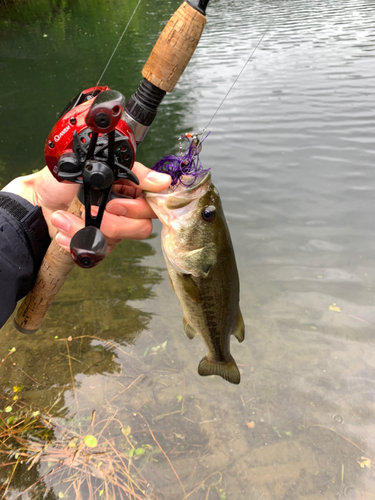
291 151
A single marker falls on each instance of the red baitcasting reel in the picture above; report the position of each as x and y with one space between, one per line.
92 145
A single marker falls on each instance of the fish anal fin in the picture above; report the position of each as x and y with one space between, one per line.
188 330
228 371
190 287
239 332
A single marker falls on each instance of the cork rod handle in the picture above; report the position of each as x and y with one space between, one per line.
174 48
56 266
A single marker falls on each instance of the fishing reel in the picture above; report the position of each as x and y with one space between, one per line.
92 145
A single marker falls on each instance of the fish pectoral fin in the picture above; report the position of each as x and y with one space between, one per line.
188 330
239 332
199 262
171 282
228 370
190 287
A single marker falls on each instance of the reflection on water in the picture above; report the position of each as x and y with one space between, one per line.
291 152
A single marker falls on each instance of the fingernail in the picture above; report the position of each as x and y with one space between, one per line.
63 240
117 209
60 221
158 177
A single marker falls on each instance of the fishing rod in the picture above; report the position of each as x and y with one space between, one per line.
94 144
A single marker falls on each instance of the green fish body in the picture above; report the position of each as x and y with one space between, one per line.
202 269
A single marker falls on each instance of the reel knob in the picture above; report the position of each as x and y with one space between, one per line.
98 175
88 247
105 113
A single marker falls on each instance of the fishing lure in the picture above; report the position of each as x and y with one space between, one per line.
186 164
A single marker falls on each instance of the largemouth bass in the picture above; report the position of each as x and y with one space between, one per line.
202 269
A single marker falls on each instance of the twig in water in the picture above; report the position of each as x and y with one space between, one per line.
202 483
126 388
343 437
166 456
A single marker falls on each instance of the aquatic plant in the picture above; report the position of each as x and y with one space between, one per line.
73 456
75 452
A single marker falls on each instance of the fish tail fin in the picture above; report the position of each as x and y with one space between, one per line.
228 371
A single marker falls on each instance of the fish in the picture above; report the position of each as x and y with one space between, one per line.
202 269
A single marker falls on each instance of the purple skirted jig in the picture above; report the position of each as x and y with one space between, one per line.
187 163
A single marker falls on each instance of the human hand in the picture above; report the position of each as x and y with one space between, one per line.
123 218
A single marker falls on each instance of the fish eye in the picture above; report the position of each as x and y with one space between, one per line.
208 213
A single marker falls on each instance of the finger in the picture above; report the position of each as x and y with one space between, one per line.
149 180
120 228
126 190
54 194
68 225
112 226
134 209
125 228
63 240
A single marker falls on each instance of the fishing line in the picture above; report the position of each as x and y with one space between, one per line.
238 76
118 43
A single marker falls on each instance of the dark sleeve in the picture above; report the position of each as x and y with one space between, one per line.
24 239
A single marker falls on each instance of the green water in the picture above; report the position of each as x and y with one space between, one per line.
292 153
49 54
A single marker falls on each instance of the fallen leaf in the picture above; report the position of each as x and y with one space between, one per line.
179 436
335 308
72 443
251 425
366 462
126 430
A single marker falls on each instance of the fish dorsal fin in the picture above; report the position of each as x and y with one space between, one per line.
239 332
188 330
228 371
190 287
198 262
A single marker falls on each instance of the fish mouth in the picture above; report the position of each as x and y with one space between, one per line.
180 196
